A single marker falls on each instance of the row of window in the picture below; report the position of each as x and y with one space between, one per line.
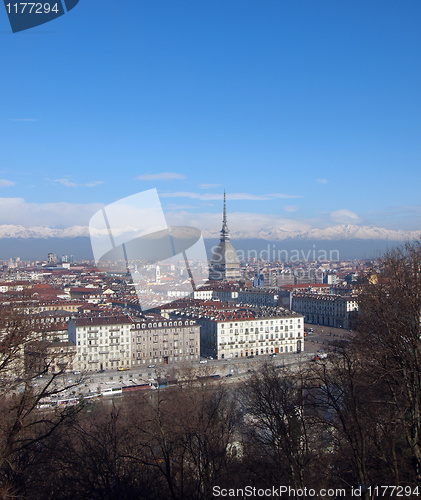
165 353
231 325
165 323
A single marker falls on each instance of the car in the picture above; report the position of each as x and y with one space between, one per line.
151 366
229 375
274 355
216 376
101 371
203 361
122 368
250 356
228 359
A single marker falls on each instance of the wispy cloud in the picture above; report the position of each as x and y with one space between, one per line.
243 222
25 119
93 184
70 184
344 216
19 211
209 186
291 208
322 181
175 206
162 176
230 196
6 183
65 182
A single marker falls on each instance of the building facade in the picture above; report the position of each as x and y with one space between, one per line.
244 336
102 343
234 331
258 297
330 310
163 340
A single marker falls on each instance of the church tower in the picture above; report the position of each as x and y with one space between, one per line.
225 264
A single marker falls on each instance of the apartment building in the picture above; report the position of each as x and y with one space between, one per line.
240 332
337 311
259 296
102 343
163 340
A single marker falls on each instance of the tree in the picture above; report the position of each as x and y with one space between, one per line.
388 337
274 408
186 434
23 389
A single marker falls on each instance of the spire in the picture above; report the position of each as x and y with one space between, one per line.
225 234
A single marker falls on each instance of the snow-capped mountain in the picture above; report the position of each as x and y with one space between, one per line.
273 233
11 231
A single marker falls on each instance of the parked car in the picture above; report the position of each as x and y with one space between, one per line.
151 366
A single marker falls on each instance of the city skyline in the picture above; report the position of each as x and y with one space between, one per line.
308 114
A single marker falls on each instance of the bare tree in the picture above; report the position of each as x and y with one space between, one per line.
389 338
186 433
23 389
274 408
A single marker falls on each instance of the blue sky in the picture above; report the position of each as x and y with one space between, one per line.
304 110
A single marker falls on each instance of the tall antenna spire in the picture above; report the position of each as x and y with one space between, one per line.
225 231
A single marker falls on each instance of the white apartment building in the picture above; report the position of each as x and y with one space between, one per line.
322 309
246 334
102 343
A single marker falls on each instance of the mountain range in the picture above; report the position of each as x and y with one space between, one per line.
274 233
